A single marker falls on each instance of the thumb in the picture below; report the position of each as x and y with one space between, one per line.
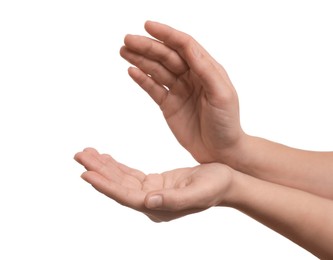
154 201
172 199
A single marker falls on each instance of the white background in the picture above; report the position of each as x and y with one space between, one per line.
63 87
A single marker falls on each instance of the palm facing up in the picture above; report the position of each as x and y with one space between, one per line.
183 191
191 88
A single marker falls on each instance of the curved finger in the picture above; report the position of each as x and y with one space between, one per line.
92 162
77 156
198 59
184 44
187 198
128 197
153 218
156 91
156 71
106 158
88 159
157 51
167 215
91 150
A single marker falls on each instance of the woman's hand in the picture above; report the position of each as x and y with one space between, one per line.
162 197
194 92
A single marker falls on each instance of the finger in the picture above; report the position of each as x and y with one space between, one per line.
128 197
157 51
156 71
197 58
91 150
156 91
165 215
77 156
185 45
187 198
106 158
88 159
153 218
92 161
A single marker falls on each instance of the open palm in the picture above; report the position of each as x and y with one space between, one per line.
184 191
194 92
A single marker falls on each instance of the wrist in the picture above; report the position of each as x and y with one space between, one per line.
237 156
232 195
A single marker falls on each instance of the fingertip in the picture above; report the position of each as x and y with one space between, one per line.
148 23
83 175
85 150
126 38
91 177
154 219
122 51
90 150
132 70
76 156
136 74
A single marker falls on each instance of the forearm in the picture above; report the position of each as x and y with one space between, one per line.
302 217
273 162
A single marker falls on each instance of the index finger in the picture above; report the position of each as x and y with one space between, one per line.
197 58
155 50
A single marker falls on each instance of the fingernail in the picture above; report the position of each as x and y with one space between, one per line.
154 201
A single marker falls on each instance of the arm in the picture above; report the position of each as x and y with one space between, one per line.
302 217
306 170
201 108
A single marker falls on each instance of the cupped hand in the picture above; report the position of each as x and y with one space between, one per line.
194 92
162 197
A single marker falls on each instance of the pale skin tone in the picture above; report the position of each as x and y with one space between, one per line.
287 189
133 188
202 110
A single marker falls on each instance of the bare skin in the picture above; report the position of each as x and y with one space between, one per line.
201 108
287 189
302 217
132 188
